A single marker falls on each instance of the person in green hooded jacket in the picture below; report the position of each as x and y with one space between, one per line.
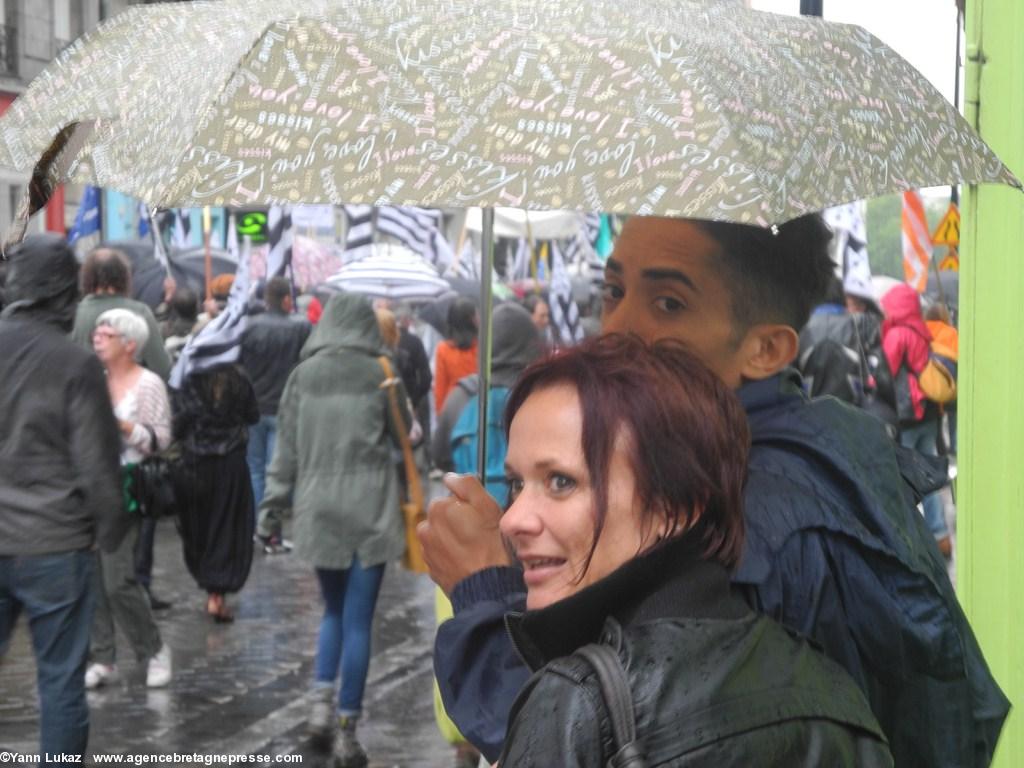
333 467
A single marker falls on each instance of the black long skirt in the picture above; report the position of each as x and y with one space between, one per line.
215 508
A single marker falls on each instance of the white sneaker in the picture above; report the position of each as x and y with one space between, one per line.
158 673
99 674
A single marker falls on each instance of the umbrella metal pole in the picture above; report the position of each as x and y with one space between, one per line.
484 365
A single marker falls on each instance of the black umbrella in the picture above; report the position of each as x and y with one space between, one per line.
188 268
950 281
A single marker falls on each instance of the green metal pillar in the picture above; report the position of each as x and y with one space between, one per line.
991 395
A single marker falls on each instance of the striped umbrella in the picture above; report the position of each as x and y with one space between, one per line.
390 272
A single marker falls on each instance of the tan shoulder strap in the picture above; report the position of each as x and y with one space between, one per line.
412 475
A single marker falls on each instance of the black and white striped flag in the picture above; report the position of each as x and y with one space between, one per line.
565 315
520 266
418 229
467 265
359 232
580 254
221 339
280 239
231 237
182 228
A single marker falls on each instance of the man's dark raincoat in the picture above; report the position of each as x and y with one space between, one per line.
835 550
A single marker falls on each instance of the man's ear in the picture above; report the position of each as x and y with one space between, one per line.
768 349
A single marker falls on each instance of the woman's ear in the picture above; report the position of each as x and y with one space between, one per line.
768 349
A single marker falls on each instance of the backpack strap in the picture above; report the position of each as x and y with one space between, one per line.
618 700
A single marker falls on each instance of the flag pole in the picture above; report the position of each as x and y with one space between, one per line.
158 241
208 255
486 299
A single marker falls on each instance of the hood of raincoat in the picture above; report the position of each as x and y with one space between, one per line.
902 307
347 322
42 281
516 343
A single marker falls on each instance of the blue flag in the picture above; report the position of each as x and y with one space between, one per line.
143 221
87 220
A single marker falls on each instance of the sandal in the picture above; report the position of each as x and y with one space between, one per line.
218 609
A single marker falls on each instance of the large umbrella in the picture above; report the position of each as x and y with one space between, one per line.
653 107
656 107
950 282
390 272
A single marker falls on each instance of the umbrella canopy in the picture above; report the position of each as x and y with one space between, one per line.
656 107
882 285
188 267
312 261
390 272
950 281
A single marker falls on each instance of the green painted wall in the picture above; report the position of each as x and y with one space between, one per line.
991 399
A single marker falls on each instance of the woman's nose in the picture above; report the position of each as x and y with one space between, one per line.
519 519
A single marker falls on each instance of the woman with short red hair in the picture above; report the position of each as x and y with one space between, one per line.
626 466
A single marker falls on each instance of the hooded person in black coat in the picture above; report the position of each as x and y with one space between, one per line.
60 490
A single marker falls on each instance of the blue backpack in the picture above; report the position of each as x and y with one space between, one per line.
464 442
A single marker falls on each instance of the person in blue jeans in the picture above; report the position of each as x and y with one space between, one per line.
333 466
60 493
343 647
270 350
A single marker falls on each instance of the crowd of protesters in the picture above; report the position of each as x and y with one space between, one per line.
672 475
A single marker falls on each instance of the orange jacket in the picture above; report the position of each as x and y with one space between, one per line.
945 339
450 365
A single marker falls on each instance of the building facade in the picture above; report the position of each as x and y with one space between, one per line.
991 483
32 33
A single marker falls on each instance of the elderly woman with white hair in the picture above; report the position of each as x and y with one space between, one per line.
143 413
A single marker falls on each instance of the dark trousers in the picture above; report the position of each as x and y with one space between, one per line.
144 552
56 593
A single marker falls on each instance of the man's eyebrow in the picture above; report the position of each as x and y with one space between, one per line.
611 265
664 273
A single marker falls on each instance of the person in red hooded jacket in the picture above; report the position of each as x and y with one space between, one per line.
907 341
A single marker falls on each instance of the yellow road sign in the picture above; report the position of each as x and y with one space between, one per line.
948 231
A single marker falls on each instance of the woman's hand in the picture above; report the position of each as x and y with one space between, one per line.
460 535
126 427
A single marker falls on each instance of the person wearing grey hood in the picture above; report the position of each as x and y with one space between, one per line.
516 343
332 464
60 493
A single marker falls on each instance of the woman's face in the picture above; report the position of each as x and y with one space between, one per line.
551 521
108 344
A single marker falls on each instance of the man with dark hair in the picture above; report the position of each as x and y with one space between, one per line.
835 548
60 490
106 282
270 350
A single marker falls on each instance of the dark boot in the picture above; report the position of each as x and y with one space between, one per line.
350 752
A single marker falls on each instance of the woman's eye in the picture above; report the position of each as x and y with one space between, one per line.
515 486
669 304
561 483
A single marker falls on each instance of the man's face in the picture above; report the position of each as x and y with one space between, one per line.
660 283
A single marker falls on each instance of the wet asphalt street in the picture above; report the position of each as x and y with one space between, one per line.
241 688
